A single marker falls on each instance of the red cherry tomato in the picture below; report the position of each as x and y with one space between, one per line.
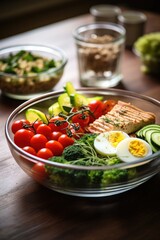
45 153
55 135
65 140
36 124
108 105
81 118
30 150
23 137
58 124
55 146
96 108
39 172
19 124
38 141
45 130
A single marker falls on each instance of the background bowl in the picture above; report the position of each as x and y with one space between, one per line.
25 83
147 48
71 179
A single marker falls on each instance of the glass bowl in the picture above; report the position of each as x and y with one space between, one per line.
26 75
72 180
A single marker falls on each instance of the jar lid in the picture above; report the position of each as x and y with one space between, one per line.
132 17
103 10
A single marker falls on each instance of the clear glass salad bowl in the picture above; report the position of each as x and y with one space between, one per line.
72 179
29 70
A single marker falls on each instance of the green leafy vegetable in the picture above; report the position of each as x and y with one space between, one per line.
82 153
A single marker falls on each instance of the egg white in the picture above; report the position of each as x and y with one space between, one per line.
103 146
123 150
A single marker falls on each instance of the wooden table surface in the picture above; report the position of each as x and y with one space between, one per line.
30 211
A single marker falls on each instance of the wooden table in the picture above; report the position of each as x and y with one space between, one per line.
30 211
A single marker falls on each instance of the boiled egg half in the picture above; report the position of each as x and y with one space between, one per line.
131 149
106 143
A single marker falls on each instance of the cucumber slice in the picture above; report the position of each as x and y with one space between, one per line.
78 100
150 127
141 133
33 115
100 98
70 88
54 109
148 138
64 101
156 138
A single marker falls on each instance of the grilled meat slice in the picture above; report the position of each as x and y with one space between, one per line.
124 117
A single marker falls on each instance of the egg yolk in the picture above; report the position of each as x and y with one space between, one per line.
137 148
115 137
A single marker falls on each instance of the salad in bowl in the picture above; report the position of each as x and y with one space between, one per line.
87 142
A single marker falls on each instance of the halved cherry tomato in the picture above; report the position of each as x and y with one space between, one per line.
55 146
30 150
38 141
45 130
65 140
58 124
108 105
19 124
81 118
45 153
96 108
39 172
23 137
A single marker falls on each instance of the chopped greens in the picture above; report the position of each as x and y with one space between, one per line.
25 63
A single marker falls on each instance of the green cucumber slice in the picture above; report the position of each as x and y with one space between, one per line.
33 115
64 101
156 138
54 109
141 133
154 127
148 138
100 98
70 88
78 100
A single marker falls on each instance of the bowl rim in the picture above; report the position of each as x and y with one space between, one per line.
35 47
46 97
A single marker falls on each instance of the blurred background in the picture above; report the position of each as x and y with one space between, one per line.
17 16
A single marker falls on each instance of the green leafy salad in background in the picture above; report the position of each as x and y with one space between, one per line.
148 48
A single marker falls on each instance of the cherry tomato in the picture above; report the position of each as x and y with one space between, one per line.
38 141
36 124
65 140
96 107
39 172
19 124
81 118
45 130
30 150
55 135
108 105
58 124
45 153
75 130
23 137
55 146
